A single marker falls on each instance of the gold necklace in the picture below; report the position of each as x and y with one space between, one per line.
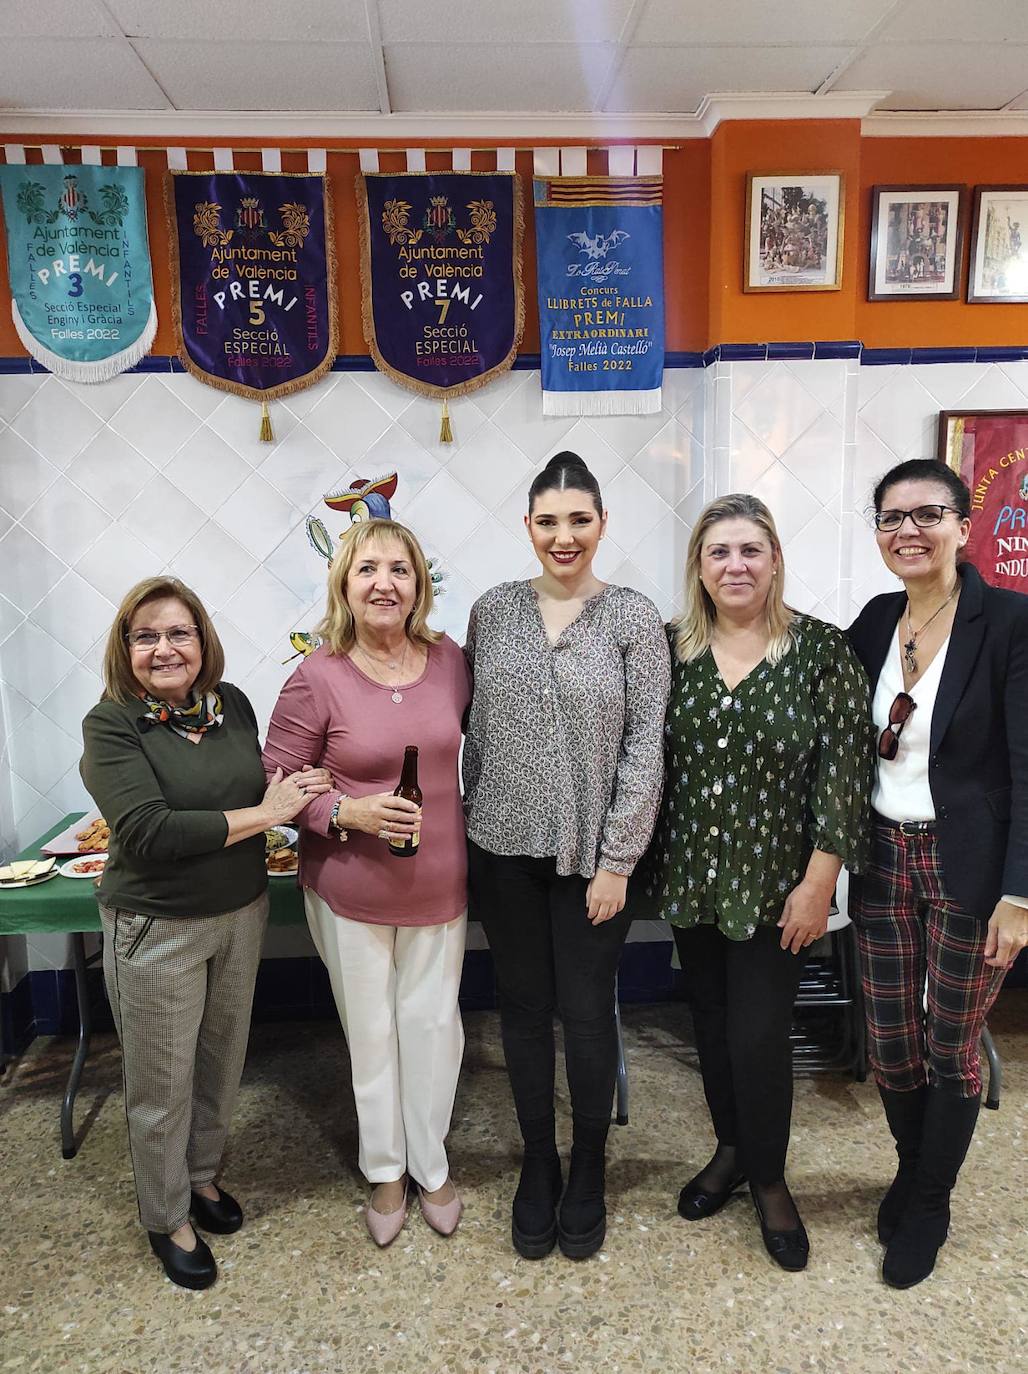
910 647
396 667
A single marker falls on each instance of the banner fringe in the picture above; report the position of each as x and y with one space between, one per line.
73 371
445 428
267 433
602 402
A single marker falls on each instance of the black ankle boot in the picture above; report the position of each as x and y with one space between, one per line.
948 1127
905 1115
582 1223
533 1222
188 1268
221 1215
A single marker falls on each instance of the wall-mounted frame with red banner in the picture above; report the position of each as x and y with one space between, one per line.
989 449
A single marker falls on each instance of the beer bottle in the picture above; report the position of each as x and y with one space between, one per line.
410 791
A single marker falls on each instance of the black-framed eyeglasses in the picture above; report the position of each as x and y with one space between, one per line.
923 517
902 708
178 637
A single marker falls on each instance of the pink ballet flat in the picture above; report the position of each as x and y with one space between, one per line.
443 1219
384 1227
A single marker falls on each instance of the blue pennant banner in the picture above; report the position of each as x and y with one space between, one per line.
79 263
600 246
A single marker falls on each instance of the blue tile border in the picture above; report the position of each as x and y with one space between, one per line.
818 350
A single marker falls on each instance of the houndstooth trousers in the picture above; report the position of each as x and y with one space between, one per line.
181 990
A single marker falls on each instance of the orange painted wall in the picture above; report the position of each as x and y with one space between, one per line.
686 221
703 236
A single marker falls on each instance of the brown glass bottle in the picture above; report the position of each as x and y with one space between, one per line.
410 791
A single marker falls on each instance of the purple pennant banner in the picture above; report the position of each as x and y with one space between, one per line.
254 258
441 276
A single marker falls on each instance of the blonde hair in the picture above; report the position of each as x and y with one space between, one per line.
694 628
120 682
337 627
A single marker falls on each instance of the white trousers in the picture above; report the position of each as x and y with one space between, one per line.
396 991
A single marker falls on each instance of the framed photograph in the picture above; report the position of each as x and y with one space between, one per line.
989 449
999 245
794 231
916 236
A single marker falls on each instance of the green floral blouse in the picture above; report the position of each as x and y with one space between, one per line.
757 778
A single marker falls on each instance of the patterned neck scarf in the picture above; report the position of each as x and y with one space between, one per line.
196 719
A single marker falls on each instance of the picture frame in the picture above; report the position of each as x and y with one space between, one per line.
999 246
794 231
916 242
988 449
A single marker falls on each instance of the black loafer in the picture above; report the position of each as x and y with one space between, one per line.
221 1216
695 1203
188 1268
789 1249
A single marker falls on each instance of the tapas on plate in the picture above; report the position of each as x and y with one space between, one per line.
27 872
88 866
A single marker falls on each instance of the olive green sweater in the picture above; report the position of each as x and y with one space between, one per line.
165 798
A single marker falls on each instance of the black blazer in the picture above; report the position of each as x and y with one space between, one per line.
978 766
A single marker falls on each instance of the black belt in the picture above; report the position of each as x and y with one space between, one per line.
906 827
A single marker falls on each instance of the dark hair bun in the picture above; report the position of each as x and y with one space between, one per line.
566 471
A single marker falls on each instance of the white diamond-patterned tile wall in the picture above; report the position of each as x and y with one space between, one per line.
777 410
29 568
24 474
56 423
66 520
74 613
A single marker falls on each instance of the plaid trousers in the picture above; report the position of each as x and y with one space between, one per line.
914 938
181 992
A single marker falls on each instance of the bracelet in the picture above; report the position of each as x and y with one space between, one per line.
333 820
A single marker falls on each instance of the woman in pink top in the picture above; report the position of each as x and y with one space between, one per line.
389 929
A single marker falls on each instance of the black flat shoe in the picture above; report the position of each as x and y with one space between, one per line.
188 1268
220 1217
789 1249
695 1203
533 1222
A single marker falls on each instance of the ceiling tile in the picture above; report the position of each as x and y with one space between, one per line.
940 76
319 20
675 79
28 67
800 21
243 75
40 18
472 22
922 20
538 77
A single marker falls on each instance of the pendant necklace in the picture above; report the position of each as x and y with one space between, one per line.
397 695
910 646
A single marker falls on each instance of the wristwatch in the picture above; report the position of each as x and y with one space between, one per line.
333 820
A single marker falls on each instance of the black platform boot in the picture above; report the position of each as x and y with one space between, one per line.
533 1225
582 1224
905 1115
949 1124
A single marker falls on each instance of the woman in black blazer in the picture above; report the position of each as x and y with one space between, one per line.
944 903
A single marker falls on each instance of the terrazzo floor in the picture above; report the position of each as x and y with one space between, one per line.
302 1289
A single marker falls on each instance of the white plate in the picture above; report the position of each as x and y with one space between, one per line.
30 882
291 836
289 873
68 869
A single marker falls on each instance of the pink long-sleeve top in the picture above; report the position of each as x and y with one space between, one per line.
331 715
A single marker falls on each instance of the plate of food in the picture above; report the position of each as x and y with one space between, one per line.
90 834
280 837
87 866
283 863
27 872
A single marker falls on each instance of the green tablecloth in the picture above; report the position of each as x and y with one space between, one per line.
69 904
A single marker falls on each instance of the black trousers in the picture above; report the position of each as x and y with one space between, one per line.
741 993
550 960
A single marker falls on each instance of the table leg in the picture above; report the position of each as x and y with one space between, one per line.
78 950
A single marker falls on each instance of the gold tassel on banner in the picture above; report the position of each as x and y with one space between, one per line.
267 433
445 430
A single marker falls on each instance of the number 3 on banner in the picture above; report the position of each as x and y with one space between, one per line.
76 284
256 313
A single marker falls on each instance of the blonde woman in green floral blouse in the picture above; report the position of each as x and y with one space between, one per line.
766 797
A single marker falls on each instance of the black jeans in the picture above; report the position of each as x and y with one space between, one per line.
550 960
741 993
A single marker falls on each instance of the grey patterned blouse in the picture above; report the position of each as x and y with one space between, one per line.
757 779
564 750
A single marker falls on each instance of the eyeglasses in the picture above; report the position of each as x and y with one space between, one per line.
899 713
923 517
179 636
